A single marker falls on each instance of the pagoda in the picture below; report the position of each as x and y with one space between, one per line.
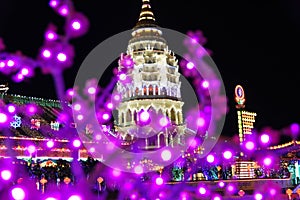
153 86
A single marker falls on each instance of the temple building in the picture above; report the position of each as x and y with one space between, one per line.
152 87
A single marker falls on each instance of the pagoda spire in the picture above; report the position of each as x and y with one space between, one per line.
146 18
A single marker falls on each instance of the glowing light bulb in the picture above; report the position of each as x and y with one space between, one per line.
166 155
18 193
76 25
6 175
190 65
159 181
61 57
210 158
46 53
3 118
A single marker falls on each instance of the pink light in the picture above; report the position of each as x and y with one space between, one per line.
31 149
205 84
51 198
138 170
46 53
190 65
61 57
227 155
80 117
91 90
105 116
76 143
200 122
117 97
3 118
76 25
144 116
18 194
122 77
24 71
264 138
51 35
166 155
128 62
70 92
159 181
2 64
92 150
63 10
267 161
50 144
249 145
98 137
53 3
258 196
31 109
20 77
210 158
202 190
230 188
133 196
164 121
221 184
11 108
116 172
110 106
217 198
74 197
6 175
77 107
10 63
193 143
272 192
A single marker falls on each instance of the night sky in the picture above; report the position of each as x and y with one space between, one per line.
254 43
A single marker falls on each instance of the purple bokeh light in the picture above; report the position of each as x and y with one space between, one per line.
53 3
50 35
267 161
46 53
18 193
138 169
6 175
76 25
265 138
250 145
227 154
63 10
3 118
51 198
190 65
50 143
258 196
76 143
11 108
205 84
74 197
31 149
62 57
144 116
202 190
210 158
166 155
159 181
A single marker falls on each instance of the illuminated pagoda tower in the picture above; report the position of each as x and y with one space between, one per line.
246 119
244 168
150 84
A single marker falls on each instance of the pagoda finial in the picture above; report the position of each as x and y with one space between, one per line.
146 16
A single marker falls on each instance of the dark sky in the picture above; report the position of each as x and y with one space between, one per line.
254 43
